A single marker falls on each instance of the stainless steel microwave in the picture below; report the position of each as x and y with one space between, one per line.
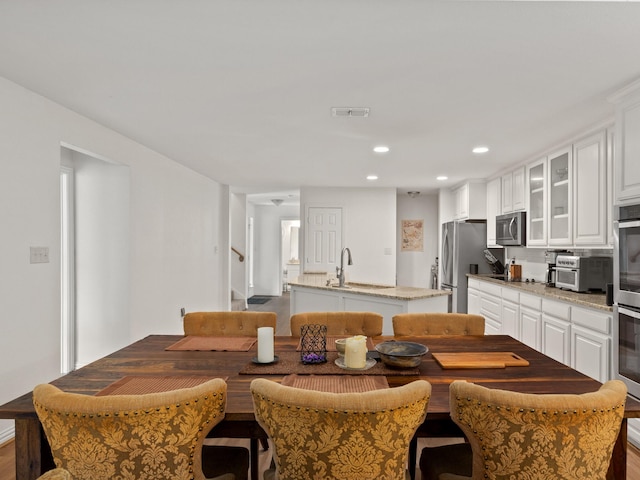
511 229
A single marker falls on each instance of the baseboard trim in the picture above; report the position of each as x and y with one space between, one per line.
7 435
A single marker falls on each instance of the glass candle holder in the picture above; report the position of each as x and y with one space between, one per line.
313 344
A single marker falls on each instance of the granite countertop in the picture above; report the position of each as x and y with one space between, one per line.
591 299
319 281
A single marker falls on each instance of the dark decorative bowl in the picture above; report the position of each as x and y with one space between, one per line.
401 354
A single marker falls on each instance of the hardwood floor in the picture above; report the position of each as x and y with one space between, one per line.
280 305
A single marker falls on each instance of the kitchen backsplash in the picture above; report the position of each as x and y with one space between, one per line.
532 259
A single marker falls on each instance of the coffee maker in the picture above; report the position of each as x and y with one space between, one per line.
550 257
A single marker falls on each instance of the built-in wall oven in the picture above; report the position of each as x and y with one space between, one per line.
626 283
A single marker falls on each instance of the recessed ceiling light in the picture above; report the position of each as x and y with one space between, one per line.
381 149
372 177
480 149
442 177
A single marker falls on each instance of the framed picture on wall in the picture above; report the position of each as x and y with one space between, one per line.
412 236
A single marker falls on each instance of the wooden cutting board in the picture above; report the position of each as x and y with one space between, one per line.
480 360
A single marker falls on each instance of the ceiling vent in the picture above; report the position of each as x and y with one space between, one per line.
350 112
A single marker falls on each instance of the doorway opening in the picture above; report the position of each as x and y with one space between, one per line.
67 270
289 251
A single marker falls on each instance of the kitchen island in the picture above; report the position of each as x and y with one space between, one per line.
320 293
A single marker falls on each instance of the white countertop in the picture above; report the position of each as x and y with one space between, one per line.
319 281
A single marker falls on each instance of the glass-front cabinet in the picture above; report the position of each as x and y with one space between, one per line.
560 198
537 224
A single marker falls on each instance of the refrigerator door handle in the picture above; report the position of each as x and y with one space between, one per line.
445 257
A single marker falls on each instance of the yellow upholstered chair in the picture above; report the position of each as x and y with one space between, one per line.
157 435
516 435
420 324
341 436
242 324
340 323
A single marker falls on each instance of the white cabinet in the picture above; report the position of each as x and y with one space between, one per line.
470 201
560 211
491 308
591 338
493 209
473 297
591 213
627 145
507 193
556 330
519 189
577 336
537 193
530 320
511 312
513 191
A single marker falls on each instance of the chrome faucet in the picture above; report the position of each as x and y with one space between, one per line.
340 269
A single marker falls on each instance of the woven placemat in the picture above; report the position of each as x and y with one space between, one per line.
331 343
229 344
337 383
289 362
143 384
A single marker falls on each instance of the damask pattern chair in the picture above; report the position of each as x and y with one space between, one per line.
340 323
241 324
421 324
516 435
346 436
153 436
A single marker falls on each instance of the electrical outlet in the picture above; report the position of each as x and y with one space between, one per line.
38 254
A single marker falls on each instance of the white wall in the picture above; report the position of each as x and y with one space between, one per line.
267 247
176 221
414 268
239 280
369 229
102 256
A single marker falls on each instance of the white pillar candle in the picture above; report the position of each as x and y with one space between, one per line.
265 344
355 352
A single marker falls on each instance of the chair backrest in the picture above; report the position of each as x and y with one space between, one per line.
243 324
340 435
517 435
420 324
156 435
340 323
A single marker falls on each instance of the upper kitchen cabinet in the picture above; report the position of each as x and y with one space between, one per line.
537 217
513 191
627 145
560 198
470 201
493 209
591 209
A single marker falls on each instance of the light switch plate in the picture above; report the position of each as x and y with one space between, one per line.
39 255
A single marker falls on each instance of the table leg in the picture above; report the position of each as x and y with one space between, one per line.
618 466
253 456
413 454
28 449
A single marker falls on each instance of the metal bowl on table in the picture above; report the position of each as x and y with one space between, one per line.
401 354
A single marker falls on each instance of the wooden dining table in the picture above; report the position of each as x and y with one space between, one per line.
149 357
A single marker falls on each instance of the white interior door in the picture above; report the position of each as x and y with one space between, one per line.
323 239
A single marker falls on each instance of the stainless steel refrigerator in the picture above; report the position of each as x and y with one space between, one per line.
463 245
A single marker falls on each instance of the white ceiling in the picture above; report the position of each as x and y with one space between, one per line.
242 90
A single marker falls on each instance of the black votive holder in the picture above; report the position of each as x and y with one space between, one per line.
313 344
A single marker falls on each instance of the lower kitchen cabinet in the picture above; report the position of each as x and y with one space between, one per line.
510 312
577 336
491 307
556 330
591 340
531 320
